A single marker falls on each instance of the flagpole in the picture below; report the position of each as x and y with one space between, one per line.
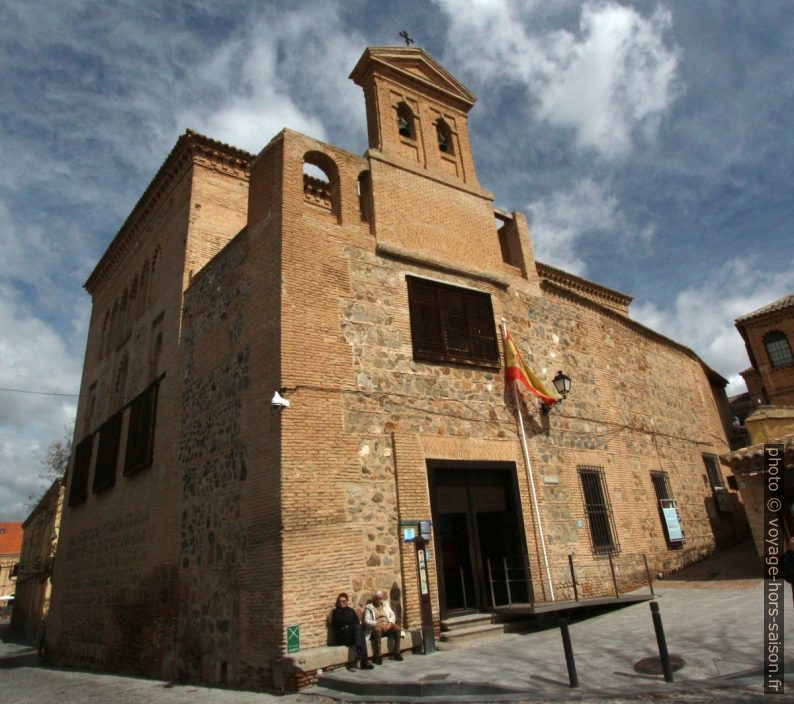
529 473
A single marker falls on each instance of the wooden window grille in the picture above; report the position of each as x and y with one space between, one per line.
107 453
78 491
140 433
599 510
778 349
451 324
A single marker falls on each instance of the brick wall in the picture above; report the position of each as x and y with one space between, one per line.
116 596
778 382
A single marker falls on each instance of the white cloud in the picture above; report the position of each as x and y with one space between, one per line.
561 220
610 81
294 78
34 357
702 316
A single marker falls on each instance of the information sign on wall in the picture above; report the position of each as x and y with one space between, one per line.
672 521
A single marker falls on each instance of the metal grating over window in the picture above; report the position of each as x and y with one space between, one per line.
714 472
451 324
107 453
599 510
778 349
78 491
661 486
140 436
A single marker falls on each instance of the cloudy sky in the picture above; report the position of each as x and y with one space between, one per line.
650 143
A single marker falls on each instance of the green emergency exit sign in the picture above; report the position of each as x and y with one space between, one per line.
293 639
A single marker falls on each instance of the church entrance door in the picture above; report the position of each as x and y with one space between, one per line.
477 522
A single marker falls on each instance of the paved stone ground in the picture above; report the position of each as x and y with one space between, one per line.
712 616
23 681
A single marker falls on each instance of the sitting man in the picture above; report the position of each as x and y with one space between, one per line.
348 631
380 620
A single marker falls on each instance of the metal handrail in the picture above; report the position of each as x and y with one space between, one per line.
574 577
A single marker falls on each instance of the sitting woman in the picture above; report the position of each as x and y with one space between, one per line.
348 631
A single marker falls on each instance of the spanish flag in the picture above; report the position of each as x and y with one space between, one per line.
517 370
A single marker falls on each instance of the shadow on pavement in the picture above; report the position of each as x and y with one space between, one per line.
739 565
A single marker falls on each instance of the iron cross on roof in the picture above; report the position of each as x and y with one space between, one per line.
408 40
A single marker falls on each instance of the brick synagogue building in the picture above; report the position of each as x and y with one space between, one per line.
205 521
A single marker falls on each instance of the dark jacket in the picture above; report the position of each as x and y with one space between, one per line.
343 624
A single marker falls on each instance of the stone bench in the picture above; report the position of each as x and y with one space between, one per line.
298 670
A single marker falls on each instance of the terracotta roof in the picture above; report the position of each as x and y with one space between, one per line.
10 538
751 458
780 304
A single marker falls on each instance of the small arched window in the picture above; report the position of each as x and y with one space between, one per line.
143 293
113 338
444 136
778 349
124 316
321 181
153 280
133 314
154 356
121 378
365 195
104 343
405 121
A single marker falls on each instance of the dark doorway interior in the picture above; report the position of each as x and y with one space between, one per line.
478 521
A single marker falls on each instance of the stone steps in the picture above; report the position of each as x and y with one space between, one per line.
466 631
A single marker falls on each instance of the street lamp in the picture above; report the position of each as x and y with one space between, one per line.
562 383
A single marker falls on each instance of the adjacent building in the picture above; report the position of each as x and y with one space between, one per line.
34 572
10 547
210 526
766 412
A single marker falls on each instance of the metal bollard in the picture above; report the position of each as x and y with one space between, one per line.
573 678
664 656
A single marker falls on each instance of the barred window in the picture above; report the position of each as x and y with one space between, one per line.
778 349
668 509
451 324
598 509
714 472
78 491
661 486
140 435
107 453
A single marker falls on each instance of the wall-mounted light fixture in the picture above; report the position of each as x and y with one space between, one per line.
562 383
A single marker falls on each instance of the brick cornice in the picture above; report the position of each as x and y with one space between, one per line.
584 287
191 148
393 61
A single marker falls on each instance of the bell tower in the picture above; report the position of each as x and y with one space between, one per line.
416 112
